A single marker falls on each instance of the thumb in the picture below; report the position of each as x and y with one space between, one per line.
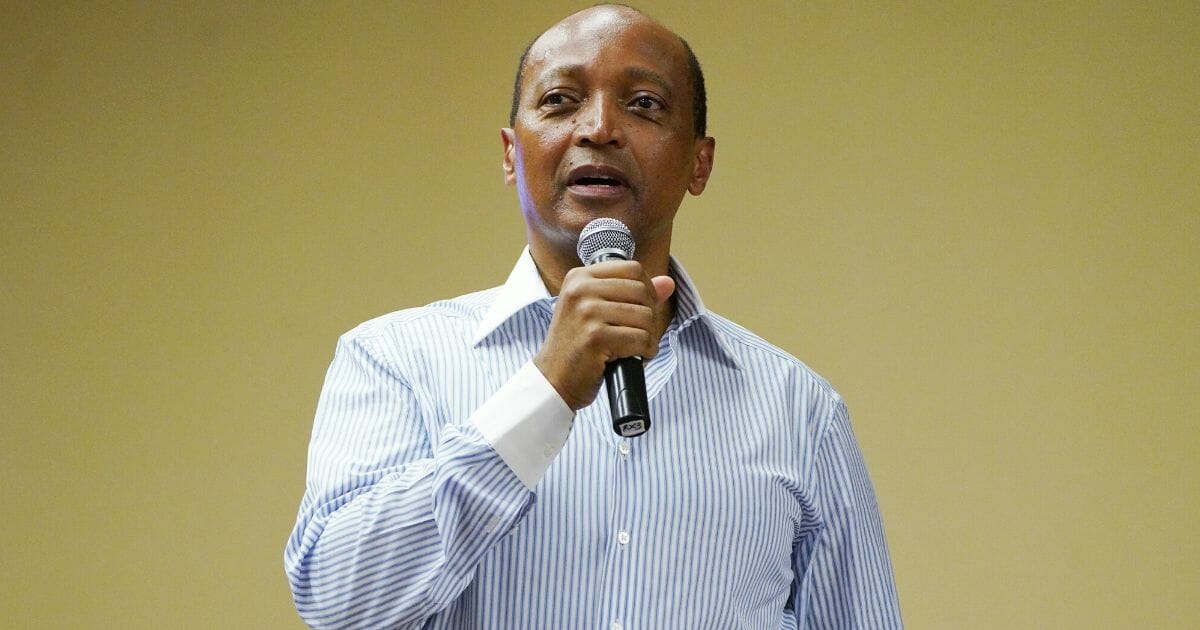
664 286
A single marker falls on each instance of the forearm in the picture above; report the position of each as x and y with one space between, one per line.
398 513
403 549
846 569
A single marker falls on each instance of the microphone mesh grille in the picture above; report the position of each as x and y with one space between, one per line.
601 234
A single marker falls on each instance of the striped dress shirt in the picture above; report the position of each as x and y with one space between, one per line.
449 487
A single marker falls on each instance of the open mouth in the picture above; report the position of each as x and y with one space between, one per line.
598 180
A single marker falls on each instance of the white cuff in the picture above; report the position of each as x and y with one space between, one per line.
526 422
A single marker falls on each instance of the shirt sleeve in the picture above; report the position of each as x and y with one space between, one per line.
392 524
527 422
844 573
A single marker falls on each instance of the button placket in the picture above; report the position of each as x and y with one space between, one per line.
621 521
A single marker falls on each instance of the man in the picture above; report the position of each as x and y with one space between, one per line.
463 474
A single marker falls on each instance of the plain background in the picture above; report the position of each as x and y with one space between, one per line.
979 220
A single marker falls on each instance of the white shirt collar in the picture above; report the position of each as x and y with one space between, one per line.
523 287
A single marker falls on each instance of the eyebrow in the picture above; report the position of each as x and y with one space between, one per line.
643 74
633 73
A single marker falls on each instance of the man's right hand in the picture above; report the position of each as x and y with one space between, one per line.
605 311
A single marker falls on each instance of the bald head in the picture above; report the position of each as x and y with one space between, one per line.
593 22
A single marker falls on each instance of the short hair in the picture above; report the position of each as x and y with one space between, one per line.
695 77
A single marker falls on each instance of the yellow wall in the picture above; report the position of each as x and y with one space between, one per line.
978 220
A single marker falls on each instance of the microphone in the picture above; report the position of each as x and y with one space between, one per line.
625 379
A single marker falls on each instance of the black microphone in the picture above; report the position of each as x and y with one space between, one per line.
609 239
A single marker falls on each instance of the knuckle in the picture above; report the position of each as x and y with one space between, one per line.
589 309
593 335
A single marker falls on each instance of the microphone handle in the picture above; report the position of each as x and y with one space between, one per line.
625 380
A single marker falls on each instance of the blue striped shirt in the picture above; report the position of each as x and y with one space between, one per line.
746 505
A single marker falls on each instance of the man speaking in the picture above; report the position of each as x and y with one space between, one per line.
464 470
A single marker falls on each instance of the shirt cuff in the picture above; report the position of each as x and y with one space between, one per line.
526 422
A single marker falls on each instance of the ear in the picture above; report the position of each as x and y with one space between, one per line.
702 164
509 138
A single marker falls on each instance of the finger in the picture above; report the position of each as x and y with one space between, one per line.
611 289
618 342
619 314
628 269
664 286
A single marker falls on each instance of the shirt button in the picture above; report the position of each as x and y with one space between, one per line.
623 446
492 524
548 449
623 537
616 625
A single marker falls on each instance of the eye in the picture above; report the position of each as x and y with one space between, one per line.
556 99
647 102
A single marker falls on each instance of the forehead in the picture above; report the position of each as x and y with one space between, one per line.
624 43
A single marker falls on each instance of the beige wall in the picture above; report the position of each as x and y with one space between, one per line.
979 220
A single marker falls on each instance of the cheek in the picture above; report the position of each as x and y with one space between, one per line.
671 160
543 151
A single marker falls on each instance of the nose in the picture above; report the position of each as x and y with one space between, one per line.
598 123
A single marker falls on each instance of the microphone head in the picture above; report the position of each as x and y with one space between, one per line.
604 237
